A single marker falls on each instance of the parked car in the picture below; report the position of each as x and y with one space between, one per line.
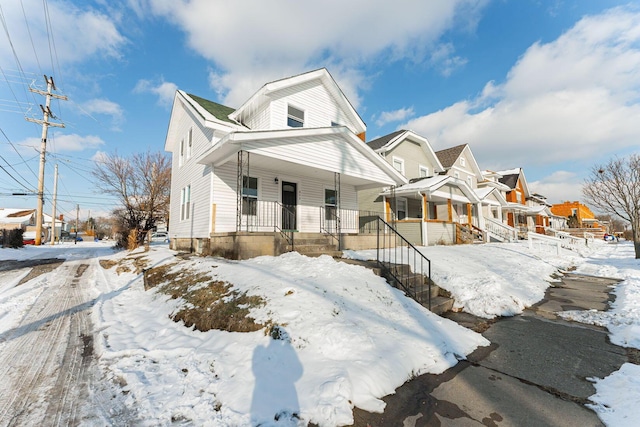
79 239
160 236
609 237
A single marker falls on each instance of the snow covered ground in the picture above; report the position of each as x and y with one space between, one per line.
349 339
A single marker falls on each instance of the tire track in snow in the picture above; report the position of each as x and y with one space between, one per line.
43 362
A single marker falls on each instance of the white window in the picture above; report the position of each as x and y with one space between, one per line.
249 195
329 204
295 117
424 171
470 181
401 208
185 203
456 175
463 161
189 143
181 157
398 164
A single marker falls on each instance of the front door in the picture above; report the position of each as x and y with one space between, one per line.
289 204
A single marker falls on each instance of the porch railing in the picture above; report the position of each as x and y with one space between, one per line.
501 230
403 263
261 215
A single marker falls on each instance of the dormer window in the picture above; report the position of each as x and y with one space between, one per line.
463 162
295 117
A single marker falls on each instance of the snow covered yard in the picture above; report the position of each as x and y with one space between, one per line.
345 338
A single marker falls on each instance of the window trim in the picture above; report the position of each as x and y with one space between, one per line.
293 118
406 208
463 162
400 160
248 199
181 154
330 207
185 203
423 168
189 143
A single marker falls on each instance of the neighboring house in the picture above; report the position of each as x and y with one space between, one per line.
427 209
526 211
584 217
25 219
290 160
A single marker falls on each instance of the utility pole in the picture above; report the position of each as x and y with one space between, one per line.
46 111
53 214
75 241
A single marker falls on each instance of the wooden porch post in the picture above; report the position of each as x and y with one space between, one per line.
469 216
450 210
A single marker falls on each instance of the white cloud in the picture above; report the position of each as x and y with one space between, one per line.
394 116
570 99
558 187
268 40
164 90
105 107
62 142
78 33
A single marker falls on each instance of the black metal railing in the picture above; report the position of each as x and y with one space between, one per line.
285 223
330 223
403 264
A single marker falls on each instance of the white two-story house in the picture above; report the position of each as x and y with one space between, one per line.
290 160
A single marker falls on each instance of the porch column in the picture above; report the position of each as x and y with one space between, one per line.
425 208
450 210
469 214
387 208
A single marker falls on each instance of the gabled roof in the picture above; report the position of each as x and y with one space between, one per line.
219 111
390 141
322 75
448 156
377 143
208 114
510 178
269 144
430 185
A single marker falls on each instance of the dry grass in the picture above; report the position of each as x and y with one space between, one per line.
209 304
107 263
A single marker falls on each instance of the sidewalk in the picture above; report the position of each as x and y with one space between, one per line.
535 373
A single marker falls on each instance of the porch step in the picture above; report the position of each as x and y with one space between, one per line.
314 245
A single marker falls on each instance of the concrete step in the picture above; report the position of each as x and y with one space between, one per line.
334 253
440 305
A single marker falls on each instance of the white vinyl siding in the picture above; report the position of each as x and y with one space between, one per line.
413 156
325 154
310 197
312 97
195 175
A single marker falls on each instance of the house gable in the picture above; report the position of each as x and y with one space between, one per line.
459 162
315 94
410 150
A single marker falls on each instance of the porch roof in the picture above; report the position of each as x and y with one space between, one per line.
485 193
308 152
438 186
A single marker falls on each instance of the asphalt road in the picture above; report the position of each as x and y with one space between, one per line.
535 373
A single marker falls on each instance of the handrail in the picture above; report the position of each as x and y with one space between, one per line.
287 217
405 256
329 216
500 229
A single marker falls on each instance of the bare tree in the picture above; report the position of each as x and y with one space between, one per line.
615 189
142 184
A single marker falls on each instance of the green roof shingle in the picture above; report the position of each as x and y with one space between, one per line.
219 111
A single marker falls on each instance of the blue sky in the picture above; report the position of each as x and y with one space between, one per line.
549 86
